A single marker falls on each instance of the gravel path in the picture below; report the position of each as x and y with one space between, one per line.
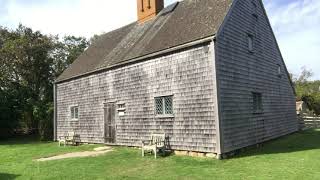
96 152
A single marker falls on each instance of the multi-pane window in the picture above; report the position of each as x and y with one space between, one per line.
159 105
74 110
257 102
164 105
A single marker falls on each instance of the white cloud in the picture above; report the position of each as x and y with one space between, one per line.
297 27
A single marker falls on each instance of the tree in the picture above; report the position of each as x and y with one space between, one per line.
303 85
313 102
67 51
304 76
94 38
307 90
30 61
27 64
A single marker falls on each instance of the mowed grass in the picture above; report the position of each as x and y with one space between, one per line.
295 156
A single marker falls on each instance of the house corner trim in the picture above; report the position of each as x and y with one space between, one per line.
216 99
55 112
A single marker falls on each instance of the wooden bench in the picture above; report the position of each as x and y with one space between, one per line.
69 138
156 142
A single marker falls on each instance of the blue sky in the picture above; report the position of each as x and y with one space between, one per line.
296 22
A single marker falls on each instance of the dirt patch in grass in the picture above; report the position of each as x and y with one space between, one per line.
96 152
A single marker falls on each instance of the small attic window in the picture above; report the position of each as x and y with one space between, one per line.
279 71
250 43
254 8
255 15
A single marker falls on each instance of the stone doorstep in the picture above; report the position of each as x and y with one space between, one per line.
211 155
194 154
181 153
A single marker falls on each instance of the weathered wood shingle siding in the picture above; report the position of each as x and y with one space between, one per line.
240 73
186 74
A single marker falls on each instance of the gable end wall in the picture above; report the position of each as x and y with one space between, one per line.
241 72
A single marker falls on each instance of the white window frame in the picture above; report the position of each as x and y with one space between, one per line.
73 115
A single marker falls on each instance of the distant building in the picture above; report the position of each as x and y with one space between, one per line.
207 73
301 107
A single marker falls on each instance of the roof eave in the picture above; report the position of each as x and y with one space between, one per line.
141 58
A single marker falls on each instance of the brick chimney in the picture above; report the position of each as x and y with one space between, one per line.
148 9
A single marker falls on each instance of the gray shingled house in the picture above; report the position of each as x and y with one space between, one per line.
207 73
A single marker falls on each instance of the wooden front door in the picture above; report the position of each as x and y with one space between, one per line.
109 123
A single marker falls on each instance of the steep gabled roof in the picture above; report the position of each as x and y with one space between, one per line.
189 21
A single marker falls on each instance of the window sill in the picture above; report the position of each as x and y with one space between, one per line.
165 116
74 120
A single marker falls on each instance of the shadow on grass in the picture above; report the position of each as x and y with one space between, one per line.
31 139
299 141
4 176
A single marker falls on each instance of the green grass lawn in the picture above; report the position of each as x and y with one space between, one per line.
292 157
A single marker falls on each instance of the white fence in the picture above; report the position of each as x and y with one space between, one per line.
307 122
